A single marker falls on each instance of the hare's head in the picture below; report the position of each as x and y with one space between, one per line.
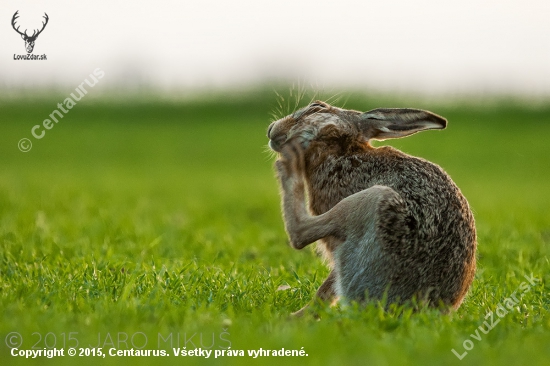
321 122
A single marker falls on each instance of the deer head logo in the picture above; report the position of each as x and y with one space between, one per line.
29 40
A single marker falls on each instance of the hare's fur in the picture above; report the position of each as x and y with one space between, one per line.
388 223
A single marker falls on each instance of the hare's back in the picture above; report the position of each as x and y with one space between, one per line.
433 242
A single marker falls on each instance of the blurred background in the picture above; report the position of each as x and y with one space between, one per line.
426 46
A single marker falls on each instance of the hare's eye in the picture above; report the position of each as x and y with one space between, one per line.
317 105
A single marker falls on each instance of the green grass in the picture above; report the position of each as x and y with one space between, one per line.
134 218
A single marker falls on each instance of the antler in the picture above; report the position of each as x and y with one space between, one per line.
35 33
15 16
43 26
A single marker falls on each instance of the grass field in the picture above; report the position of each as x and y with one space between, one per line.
135 222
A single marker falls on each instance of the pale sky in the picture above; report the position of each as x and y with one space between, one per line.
425 46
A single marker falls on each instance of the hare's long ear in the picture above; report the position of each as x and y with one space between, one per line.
387 123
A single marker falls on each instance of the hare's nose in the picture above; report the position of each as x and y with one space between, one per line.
269 130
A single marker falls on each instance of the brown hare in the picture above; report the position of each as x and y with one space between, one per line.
389 224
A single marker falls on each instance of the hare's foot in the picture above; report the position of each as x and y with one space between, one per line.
325 293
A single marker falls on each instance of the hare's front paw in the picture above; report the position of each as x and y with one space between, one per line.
282 169
291 162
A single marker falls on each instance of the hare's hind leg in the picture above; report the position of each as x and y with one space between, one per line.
362 263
